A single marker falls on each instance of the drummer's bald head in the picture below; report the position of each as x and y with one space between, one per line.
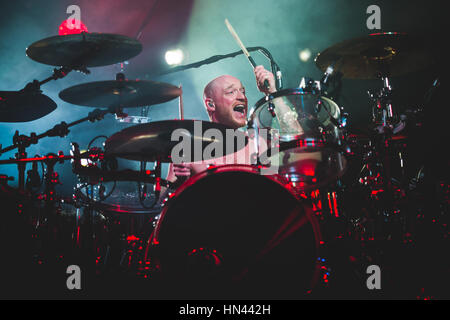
209 93
220 96
216 86
210 88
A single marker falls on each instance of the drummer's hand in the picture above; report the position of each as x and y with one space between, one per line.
181 170
261 75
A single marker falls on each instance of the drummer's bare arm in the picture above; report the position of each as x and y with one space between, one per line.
183 171
175 171
286 115
178 173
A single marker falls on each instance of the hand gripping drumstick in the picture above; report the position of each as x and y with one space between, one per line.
243 48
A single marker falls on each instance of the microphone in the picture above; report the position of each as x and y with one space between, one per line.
327 74
279 79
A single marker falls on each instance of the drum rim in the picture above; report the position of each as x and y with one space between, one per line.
295 91
290 91
111 208
248 168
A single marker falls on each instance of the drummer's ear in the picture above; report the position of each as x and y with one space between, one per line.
210 105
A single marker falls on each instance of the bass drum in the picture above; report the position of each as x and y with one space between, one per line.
230 232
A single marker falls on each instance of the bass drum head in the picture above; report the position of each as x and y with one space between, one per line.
231 233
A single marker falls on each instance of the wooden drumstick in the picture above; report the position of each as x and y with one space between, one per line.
243 48
180 104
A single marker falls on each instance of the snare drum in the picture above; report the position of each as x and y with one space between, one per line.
231 232
310 138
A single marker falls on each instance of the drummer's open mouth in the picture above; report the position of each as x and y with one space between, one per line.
239 108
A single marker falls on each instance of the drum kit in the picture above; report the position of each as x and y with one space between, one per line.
228 227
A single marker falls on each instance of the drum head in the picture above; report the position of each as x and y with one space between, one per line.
310 157
232 233
311 111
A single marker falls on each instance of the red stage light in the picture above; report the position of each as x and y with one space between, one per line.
73 27
132 238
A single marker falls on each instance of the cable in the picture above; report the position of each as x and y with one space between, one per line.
142 190
93 140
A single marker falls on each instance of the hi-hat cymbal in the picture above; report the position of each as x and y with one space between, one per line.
20 106
153 141
120 93
390 53
84 50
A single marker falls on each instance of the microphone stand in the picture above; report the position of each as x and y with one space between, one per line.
274 66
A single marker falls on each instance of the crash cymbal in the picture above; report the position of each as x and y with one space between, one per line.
152 141
19 106
120 93
84 50
390 53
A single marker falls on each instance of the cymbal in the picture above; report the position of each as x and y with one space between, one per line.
390 53
153 141
84 50
19 106
120 93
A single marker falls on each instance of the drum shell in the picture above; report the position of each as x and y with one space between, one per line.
263 245
318 116
313 157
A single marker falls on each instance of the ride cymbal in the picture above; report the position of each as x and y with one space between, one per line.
390 53
20 106
120 93
84 50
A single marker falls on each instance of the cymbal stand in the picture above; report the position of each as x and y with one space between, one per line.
21 142
142 187
383 119
50 229
85 242
382 111
379 176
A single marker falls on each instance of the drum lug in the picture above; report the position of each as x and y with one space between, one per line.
211 168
